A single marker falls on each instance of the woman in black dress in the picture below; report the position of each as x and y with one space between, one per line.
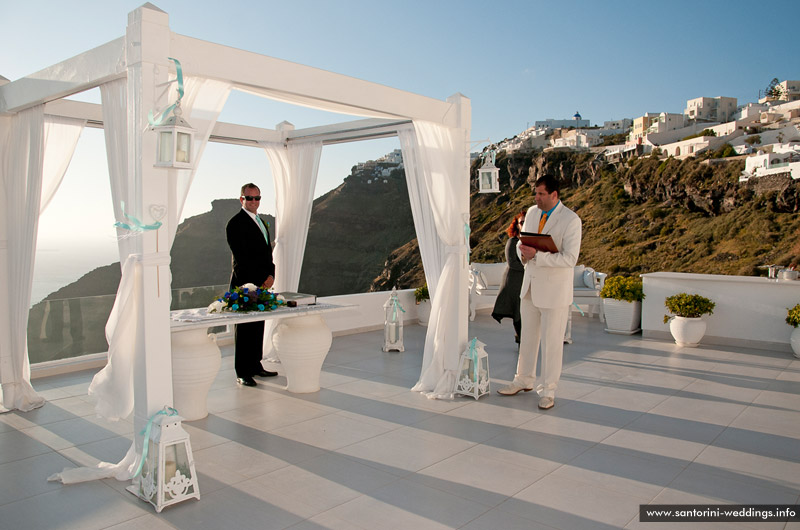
507 303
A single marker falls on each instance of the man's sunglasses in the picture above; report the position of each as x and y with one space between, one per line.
252 197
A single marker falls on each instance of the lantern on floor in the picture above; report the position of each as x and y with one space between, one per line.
488 175
473 371
174 139
393 324
167 470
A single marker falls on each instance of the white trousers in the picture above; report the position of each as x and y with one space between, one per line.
542 330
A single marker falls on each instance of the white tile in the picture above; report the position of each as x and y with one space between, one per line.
769 420
491 411
324 482
574 429
404 450
472 476
543 452
404 504
330 432
565 503
653 446
233 462
626 473
712 411
766 470
86 506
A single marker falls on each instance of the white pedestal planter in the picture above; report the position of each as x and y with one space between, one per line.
687 331
622 317
795 341
302 344
424 312
195 364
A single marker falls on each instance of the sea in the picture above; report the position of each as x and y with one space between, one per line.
56 267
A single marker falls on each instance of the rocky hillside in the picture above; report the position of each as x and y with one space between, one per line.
650 215
645 215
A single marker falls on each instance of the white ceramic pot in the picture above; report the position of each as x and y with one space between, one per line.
424 312
195 363
302 344
687 331
795 340
622 317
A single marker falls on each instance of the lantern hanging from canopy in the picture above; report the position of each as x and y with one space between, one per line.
167 473
174 137
473 371
489 175
393 323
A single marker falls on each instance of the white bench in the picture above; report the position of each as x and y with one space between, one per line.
586 286
485 279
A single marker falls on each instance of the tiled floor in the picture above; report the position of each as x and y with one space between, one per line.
635 422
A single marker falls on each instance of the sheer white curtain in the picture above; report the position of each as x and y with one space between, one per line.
60 139
202 103
36 151
430 245
22 186
441 153
294 172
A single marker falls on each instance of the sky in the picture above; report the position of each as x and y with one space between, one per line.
517 60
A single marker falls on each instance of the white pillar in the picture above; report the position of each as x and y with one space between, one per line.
147 51
463 109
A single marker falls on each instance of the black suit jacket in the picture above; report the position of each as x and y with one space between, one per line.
251 255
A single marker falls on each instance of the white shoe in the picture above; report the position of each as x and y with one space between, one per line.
546 403
513 389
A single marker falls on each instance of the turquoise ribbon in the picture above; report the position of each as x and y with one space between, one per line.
136 225
395 306
466 238
153 121
473 355
166 411
579 309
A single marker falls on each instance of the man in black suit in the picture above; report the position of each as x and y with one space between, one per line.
251 250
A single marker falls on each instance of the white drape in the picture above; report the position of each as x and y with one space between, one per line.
441 152
430 245
113 385
60 139
294 172
202 102
35 151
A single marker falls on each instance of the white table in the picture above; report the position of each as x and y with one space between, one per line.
302 339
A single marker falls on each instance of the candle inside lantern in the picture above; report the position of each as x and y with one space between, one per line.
392 331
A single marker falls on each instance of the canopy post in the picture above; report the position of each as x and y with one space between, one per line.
147 50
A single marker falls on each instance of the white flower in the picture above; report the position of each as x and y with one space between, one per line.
281 298
216 306
250 287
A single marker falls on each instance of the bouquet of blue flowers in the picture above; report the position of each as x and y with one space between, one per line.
246 298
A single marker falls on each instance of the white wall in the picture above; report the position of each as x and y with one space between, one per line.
750 311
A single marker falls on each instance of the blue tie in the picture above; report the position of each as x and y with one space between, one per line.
263 229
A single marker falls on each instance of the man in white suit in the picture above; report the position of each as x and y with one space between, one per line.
546 293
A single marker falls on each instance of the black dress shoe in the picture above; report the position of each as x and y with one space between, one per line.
265 373
246 381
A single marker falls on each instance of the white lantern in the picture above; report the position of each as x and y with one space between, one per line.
473 371
489 175
174 138
167 475
393 324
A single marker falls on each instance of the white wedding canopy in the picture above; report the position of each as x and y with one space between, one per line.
132 73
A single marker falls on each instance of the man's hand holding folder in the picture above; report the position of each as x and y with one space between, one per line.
541 242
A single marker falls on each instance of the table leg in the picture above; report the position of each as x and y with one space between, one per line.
302 344
196 360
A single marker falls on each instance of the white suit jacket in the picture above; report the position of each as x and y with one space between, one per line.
549 275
